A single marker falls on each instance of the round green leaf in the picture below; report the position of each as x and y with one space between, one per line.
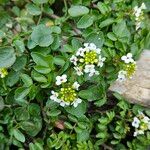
76 11
33 9
41 35
85 21
7 57
96 38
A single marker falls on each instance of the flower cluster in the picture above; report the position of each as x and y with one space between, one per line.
3 72
139 15
88 60
141 124
67 95
128 67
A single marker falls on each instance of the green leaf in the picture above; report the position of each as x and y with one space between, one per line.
27 80
77 111
21 93
21 113
121 30
19 46
12 78
42 60
40 1
1 103
111 36
96 38
32 127
20 63
85 22
42 69
58 60
76 11
91 93
106 22
18 135
7 57
102 7
33 9
41 35
38 77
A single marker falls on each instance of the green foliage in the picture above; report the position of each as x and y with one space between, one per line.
37 40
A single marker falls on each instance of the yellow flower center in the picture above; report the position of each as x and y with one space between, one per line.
130 68
68 94
90 57
3 72
144 126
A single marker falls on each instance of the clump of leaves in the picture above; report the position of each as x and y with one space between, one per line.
37 41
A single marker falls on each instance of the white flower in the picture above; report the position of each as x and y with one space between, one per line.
74 59
80 52
78 71
140 132
138 25
63 103
76 85
76 102
61 79
86 44
146 119
128 58
89 68
149 126
135 133
143 6
137 11
92 46
101 61
93 72
122 75
135 122
54 97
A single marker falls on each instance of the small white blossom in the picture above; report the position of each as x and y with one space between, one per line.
138 25
80 52
101 61
135 133
78 71
140 132
135 122
122 75
74 59
76 85
76 102
146 119
54 97
63 103
89 68
143 6
138 15
128 58
92 46
93 72
61 79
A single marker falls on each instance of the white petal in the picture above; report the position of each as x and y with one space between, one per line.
129 55
62 104
58 83
123 58
143 6
86 44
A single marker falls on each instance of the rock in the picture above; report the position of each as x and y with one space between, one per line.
137 89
